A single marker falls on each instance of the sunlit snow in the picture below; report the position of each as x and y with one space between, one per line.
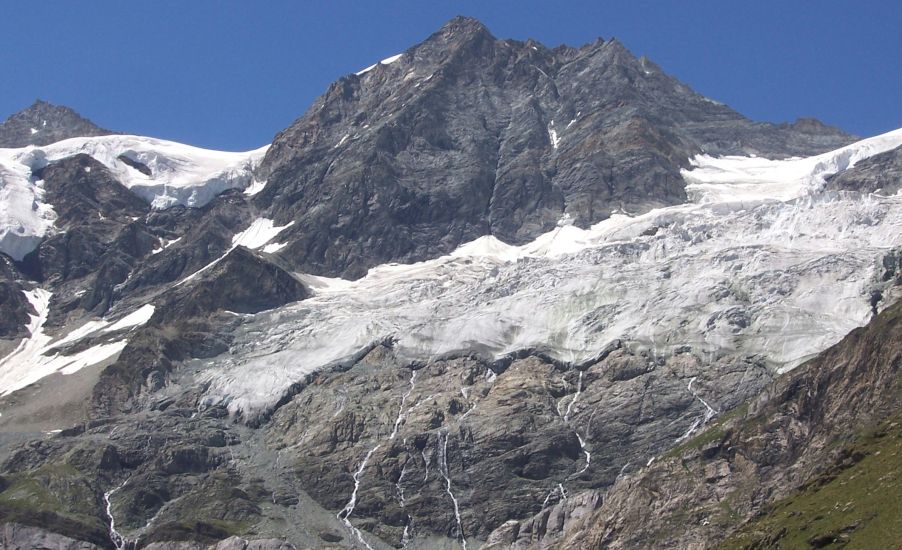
179 174
386 61
260 232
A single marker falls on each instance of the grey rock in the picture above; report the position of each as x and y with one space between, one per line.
878 174
14 536
788 437
466 135
242 281
14 307
506 440
44 123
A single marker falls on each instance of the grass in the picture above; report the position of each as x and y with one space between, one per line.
856 505
28 493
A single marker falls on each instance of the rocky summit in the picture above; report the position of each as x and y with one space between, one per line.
44 123
481 294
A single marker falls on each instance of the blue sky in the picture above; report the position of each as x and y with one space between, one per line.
230 75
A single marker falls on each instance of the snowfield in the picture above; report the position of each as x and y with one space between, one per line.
179 174
763 263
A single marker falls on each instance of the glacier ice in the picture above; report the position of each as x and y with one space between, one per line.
782 275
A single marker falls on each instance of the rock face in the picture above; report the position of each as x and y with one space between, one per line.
879 174
436 446
465 135
240 282
797 432
44 123
100 236
14 307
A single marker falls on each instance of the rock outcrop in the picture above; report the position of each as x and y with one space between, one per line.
881 173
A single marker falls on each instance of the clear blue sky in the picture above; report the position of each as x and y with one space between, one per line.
231 74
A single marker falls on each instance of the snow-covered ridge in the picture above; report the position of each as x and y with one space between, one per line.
179 174
761 272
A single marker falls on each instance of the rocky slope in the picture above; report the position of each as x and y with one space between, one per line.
802 432
44 123
593 286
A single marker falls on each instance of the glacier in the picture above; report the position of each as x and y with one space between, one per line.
763 262
179 175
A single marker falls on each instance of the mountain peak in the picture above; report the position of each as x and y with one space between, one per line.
43 123
463 23
462 29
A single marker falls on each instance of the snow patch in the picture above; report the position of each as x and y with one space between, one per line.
386 61
552 135
29 362
165 245
136 318
260 232
274 247
255 187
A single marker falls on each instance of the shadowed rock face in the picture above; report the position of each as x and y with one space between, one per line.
81 188
14 307
466 135
241 282
100 236
44 123
879 174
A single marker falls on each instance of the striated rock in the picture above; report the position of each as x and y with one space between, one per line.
524 431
